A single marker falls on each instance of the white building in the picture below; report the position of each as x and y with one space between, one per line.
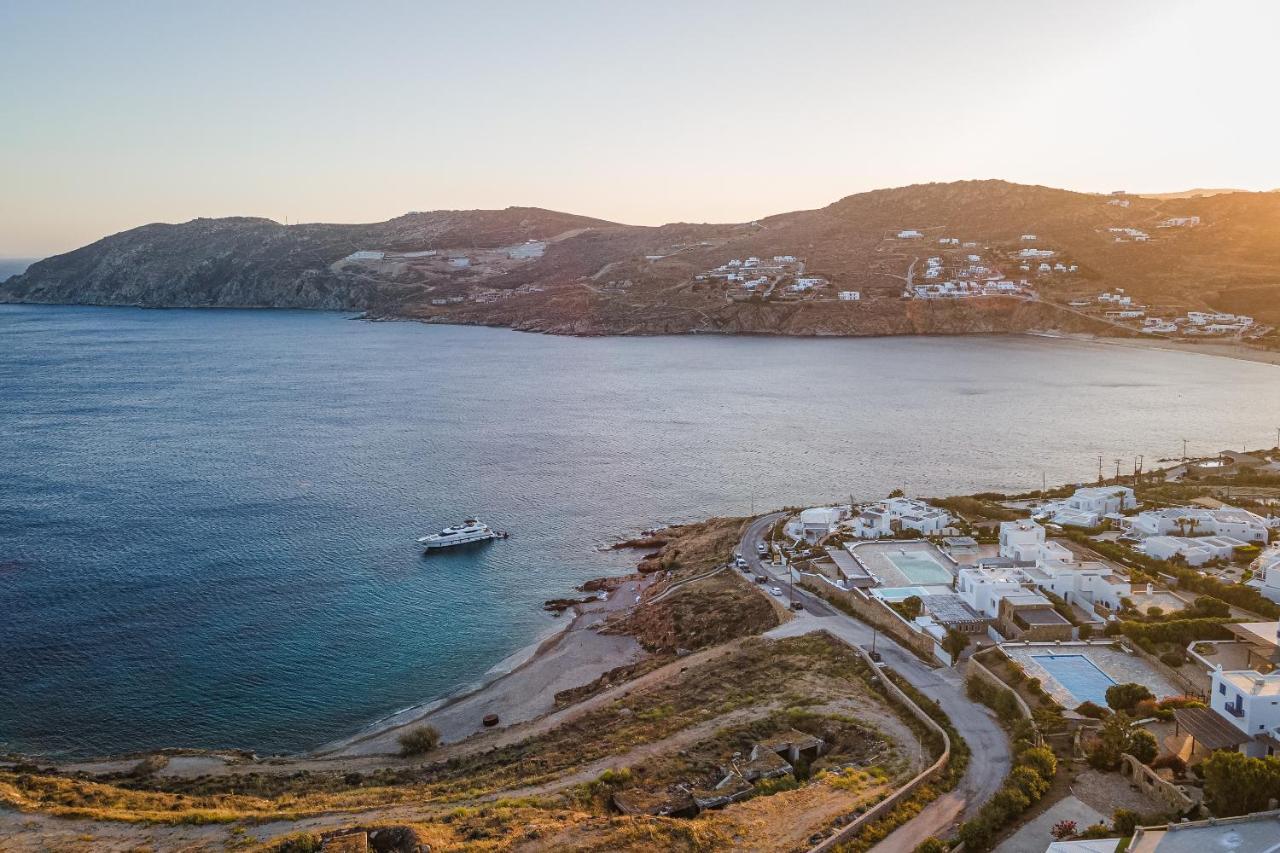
1266 573
1225 521
983 587
1196 551
1089 506
850 295
897 514
1181 222
1021 540
819 521
1085 585
1250 701
909 234
1028 237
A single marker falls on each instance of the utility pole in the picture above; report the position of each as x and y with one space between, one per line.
1099 467
1044 483
1184 450
1117 468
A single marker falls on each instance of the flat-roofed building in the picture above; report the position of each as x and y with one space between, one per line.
1030 616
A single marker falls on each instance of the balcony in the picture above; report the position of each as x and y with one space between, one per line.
1234 710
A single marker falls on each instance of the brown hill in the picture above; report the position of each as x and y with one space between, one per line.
588 276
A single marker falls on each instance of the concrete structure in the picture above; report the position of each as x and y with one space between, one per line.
954 613
1030 616
1245 834
850 295
1021 540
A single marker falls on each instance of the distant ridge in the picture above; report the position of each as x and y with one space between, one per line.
541 270
1196 193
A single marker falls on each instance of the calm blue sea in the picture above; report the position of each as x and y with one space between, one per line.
207 517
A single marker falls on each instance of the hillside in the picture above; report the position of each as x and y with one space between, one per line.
540 270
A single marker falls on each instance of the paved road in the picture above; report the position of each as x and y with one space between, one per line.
976 724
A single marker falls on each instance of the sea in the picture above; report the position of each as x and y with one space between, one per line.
207 517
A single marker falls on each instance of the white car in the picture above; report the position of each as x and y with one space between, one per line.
741 563
762 549
776 590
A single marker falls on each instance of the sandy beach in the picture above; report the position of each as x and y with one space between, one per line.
1223 349
522 687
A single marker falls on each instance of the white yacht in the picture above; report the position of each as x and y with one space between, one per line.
471 530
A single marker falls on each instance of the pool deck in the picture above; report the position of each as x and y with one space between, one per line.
1120 666
873 555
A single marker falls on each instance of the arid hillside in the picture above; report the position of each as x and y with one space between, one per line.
846 269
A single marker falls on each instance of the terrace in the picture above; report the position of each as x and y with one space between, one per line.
901 563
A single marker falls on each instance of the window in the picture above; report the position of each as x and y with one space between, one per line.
1222 688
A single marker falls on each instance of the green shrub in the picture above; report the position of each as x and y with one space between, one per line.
419 741
1173 659
1091 709
1235 784
1124 821
1040 759
1125 697
932 845
1143 745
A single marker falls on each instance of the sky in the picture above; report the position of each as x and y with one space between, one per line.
114 115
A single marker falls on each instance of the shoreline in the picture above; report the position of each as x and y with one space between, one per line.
1232 350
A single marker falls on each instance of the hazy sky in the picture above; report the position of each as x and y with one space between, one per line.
115 114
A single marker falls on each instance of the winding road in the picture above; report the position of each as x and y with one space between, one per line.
990 758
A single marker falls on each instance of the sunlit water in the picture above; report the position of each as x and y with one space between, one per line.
207 517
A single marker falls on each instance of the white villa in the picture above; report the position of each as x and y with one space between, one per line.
1089 506
850 295
909 234
1250 701
1225 521
896 514
1196 551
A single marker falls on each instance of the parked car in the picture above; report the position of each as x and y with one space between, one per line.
796 605
762 548
761 578
776 590
740 562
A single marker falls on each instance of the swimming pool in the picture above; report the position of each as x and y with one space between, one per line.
1078 675
919 568
899 593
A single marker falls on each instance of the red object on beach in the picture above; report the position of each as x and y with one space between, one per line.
490 720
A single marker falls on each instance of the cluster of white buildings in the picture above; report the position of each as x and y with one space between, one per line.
1246 699
965 289
1125 235
806 282
894 515
1168 533
909 234
751 272
1180 222
1089 506
1011 589
1035 254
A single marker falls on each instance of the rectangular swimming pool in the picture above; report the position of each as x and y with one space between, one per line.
1078 675
919 568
